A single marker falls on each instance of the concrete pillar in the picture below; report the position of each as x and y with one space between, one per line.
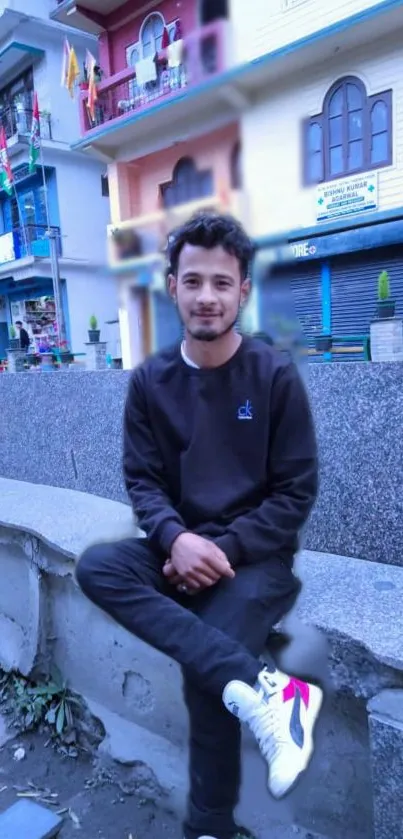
16 359
120 198
386 740
96 356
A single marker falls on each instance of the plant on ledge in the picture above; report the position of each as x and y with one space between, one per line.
386 306
93 332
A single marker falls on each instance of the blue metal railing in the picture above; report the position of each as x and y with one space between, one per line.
30 240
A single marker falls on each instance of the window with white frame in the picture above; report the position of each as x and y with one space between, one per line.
150 38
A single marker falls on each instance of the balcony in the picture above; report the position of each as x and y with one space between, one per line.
88 15
140 242
17 123
30 241
122 101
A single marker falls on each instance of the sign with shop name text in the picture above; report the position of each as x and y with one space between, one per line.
347 197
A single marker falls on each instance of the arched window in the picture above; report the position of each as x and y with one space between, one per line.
151 34
188 184
352 134
236 167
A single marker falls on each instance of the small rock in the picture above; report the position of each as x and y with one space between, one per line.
19 754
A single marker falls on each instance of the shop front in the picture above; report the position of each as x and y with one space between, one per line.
32 302
327 284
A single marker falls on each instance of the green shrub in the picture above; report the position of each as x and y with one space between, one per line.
383 286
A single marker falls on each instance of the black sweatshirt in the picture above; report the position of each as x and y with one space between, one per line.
228 452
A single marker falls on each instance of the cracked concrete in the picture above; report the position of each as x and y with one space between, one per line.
341 630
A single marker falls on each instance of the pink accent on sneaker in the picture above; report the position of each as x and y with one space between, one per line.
293 686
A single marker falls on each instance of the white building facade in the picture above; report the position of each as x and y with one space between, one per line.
323 158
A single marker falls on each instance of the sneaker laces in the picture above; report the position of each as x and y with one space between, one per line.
266 721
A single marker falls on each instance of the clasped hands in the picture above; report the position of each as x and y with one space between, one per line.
195 564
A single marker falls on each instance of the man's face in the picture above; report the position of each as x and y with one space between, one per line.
209 291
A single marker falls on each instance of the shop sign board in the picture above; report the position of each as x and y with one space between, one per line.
349 196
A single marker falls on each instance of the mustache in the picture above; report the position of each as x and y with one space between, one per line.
205 312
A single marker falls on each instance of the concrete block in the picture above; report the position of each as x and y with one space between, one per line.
103 661
162 767
386 739
20 609
96 356
27 820
16 360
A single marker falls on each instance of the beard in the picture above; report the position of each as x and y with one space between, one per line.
210 334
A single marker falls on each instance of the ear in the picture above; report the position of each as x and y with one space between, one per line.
171 283
246 288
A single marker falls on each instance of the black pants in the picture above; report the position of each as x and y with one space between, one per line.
215 636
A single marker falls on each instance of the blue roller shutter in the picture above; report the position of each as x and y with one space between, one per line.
293 293
354 290
167 326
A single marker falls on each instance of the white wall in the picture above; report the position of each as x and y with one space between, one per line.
260 26
39 8
91 294
84 212
271 137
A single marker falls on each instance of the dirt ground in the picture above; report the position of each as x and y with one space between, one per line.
97 800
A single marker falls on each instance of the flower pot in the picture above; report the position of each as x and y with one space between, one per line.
386 308
14 343
94 336
323 343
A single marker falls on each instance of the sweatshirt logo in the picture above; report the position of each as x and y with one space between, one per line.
245 412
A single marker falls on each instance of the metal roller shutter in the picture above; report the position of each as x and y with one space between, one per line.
355 290
167 326
293 293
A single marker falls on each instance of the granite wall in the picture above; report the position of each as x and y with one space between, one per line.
65 429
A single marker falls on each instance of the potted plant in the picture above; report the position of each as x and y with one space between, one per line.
93 332
13 342
386 306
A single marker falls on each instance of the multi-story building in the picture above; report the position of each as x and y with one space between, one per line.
65 191
167 124
323 157
286 113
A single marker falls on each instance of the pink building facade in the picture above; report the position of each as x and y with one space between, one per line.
169 137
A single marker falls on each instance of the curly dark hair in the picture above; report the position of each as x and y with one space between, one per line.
208 230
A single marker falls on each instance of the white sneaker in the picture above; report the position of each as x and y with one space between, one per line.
281 712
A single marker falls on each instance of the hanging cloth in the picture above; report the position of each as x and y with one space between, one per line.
175 54
146 71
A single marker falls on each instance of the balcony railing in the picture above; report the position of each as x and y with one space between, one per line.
203 56
30 240
18 121
142 240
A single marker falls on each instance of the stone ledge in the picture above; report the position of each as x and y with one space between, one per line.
63 519
350 600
